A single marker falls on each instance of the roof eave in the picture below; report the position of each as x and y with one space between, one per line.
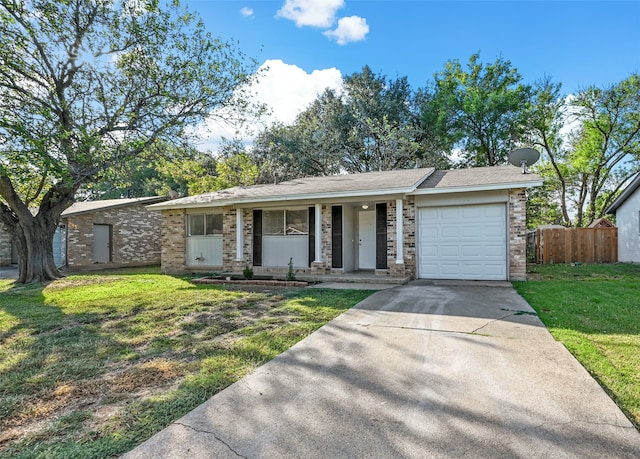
473 188
297 197
624 196
113 206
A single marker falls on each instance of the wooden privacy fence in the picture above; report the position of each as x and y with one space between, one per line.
571 245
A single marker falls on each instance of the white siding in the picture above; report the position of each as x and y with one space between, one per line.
278 250
628 223
463 242
204 251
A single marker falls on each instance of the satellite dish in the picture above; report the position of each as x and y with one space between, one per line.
524 157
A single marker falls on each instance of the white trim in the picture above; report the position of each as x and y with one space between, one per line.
318 232
239 235
284 198
487 187
399 235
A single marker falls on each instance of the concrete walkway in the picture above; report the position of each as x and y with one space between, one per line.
9 272
417 371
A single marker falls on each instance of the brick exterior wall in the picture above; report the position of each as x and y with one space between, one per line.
393 269
5 247
173 239
135 236
409 233
326 237
229 238
517 234
408 268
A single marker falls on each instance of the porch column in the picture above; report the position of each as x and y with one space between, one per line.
399 235
318 232
239 235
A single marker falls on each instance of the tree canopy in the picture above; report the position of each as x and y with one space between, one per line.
591 144
86 85
479 111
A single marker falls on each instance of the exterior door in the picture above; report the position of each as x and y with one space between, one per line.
367 240
101 243
58 247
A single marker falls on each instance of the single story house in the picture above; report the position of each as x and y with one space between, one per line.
112 231
626 208
115 232
425 223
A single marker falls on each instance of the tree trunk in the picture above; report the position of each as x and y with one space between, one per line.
34 240
33 235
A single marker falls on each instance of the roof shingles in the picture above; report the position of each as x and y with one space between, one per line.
365 184
477 176
82 207
397 181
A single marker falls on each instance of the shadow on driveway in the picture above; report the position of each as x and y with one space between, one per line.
413 371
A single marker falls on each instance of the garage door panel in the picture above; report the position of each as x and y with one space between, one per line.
430 270
449 231
449 251
448 214
471 213
463 242
470 251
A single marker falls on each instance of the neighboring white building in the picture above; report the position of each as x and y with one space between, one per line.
627 211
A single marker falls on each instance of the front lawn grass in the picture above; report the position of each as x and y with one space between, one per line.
594 310
94 364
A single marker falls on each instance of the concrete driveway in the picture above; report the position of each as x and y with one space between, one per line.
9 272
417 371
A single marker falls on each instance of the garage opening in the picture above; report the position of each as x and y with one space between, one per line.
463 242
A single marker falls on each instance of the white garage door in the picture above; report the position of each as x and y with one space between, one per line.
463 242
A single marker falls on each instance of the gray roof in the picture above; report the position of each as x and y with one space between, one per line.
408 181
479 177
363 184
83 207
633 186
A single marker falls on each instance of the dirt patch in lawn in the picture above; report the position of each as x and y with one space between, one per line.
142 369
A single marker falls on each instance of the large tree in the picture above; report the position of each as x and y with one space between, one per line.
87 84
478 110
369 126
313 145
591 144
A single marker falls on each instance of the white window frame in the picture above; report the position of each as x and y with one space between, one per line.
286 231
205 215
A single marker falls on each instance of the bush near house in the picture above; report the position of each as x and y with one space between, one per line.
92 365
594 310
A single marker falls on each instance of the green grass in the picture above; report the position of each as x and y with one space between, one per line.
94 364
594 310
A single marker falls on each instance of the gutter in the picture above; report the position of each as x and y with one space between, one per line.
488 187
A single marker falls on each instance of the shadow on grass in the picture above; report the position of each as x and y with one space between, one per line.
54 369
59 366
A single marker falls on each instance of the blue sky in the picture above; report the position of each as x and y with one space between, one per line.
311 44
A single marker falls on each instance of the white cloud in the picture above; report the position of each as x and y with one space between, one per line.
286 90
246 12
350 29
315 13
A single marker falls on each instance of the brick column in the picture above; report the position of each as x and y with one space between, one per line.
174 239
409 242
229 239
319 265
324 266
248 236
517 234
